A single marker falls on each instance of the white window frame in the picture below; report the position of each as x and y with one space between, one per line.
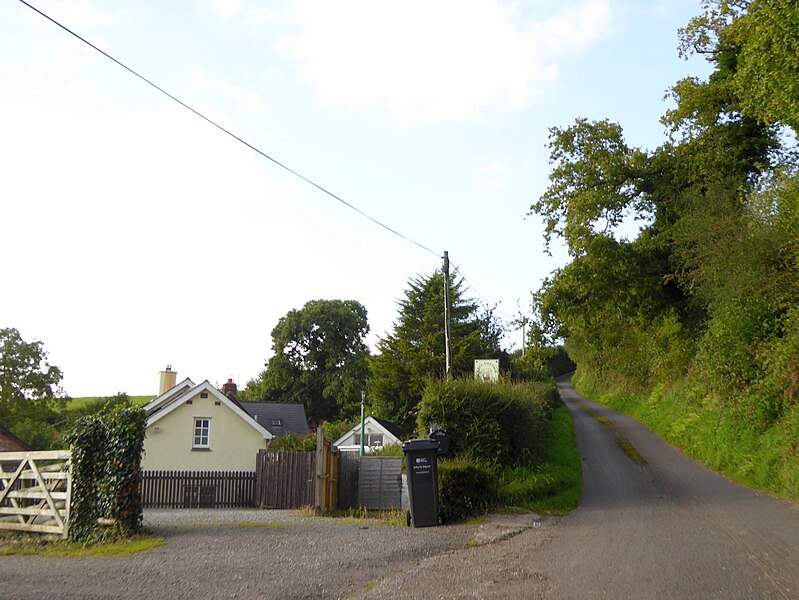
370 440
200 424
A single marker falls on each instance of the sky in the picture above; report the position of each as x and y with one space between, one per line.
137 235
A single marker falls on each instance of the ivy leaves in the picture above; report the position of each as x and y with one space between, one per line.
106 472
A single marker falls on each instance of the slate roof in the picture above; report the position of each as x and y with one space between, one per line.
397 431
11 443
291 415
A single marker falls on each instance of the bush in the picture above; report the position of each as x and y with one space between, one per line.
495 422
467 488
106 470
292 442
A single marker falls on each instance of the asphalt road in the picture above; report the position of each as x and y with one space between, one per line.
669 528
651 523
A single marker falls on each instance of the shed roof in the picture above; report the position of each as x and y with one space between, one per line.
11 443
290 414
397 431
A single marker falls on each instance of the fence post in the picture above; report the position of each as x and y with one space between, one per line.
320 468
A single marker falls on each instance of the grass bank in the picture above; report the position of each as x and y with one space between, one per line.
553 486
723 438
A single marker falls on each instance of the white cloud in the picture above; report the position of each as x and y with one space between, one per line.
227 8
575 28
247 102
235 9
492 177
435 61
78 16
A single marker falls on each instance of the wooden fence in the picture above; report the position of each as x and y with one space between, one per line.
285 479
198 489
380 482
35 491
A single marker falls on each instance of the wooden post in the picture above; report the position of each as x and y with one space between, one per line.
320 468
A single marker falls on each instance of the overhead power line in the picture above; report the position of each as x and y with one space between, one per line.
457 270
231 134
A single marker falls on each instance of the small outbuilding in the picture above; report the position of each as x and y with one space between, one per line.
11 443
378 433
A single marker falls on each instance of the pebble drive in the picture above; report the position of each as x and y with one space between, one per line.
248 553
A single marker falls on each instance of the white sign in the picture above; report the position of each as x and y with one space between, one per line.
486 369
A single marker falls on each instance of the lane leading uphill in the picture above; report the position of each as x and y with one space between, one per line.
651 523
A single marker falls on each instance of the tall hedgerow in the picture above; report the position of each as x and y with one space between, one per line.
497 422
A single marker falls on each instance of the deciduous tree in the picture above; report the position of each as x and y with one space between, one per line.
319 359
28 386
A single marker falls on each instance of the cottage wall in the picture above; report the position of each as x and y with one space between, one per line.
233 444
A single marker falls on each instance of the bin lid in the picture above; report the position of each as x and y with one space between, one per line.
420 445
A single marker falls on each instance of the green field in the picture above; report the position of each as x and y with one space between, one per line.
79 403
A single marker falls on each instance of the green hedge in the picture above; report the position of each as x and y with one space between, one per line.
106 473
500 423
466 488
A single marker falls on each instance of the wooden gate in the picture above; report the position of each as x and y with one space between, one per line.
380 482
284 479
298 479
326 473
35 491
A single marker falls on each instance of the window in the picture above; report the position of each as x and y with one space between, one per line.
369 439
202 433
277 422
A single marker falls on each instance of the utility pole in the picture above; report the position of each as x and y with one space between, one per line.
447 340
363 401
524 335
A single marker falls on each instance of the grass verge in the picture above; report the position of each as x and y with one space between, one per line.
361 516
552 487
43 545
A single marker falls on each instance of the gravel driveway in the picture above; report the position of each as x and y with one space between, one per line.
249 554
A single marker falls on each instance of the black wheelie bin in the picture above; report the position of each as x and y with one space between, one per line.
421 461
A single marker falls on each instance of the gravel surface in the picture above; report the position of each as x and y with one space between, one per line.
249 554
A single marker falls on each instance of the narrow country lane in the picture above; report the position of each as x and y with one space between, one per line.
651 523
668 528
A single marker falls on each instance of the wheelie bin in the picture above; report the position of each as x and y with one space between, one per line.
420 458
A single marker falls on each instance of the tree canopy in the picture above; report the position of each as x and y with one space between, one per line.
28 388
320 359
710 285
414 350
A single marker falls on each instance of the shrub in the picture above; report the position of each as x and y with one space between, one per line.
496 422
467 488
292 442
106 470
